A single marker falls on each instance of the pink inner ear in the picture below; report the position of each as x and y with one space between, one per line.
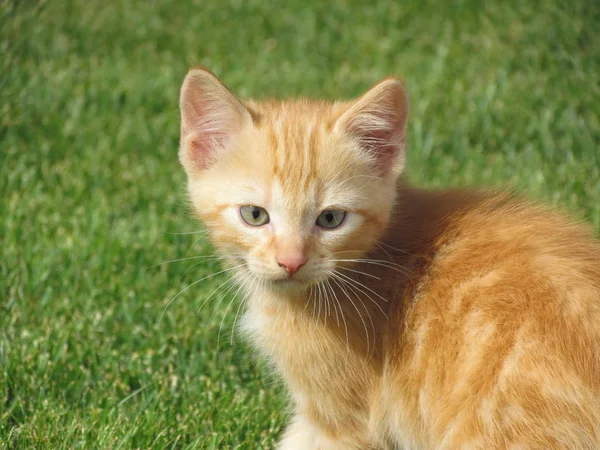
200 131
199 153
380 143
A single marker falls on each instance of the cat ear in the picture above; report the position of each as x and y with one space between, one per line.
377 121
210 117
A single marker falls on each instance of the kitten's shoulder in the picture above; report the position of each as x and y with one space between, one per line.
484 227
487 214
482 231
509 217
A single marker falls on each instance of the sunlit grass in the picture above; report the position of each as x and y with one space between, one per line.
502 93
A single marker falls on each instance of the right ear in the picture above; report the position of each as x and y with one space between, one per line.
210 116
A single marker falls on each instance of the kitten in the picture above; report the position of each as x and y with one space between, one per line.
398 317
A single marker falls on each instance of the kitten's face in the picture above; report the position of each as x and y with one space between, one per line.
288 191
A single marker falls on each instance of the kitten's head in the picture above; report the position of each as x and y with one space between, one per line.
291 190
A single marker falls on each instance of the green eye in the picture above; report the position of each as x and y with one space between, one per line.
254 215
331 219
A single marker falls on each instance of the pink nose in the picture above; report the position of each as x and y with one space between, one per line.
291 263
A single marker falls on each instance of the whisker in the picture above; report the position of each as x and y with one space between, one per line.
205 232
379 244
347 251
196 282
355 307
352 280
229 289
246 279
325 300
360 272
395 249
384 251
308 299
193 244
226 284
358 298
244 300
319 309
327 309
333 303
206 257
393 266
223 295
319 287
381 261
196 264
314 302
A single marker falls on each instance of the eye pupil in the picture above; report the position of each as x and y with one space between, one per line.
329 216
255 213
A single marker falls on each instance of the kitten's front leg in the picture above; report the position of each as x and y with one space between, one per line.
301 435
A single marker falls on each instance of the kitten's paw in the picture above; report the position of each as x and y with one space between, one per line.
301 435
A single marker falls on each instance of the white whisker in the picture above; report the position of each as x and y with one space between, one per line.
334 303
319 309
193 244
237 313
393 266
309 298
360 272
223 295
356 308
203 257
336 300
394 248
241 286
188 232
196 282
384 251
358 298
361 285
326 308
226 284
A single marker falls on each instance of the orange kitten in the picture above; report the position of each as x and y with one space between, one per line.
399 318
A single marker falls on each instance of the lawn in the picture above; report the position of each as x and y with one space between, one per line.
92 196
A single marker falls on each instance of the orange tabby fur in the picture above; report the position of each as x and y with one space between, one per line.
470 320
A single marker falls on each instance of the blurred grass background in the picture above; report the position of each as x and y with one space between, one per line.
502 93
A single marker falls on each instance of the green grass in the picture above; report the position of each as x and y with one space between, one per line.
502 93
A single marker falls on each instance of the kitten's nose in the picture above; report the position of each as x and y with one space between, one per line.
291 263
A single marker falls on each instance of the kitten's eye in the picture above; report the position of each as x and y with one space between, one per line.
254 215
331 219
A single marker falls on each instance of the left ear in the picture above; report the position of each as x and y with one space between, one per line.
377 121
210 116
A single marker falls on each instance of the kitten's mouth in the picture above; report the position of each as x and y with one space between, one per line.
289 283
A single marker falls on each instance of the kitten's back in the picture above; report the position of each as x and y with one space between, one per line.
501 343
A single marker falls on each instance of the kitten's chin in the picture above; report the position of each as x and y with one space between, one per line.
289 285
